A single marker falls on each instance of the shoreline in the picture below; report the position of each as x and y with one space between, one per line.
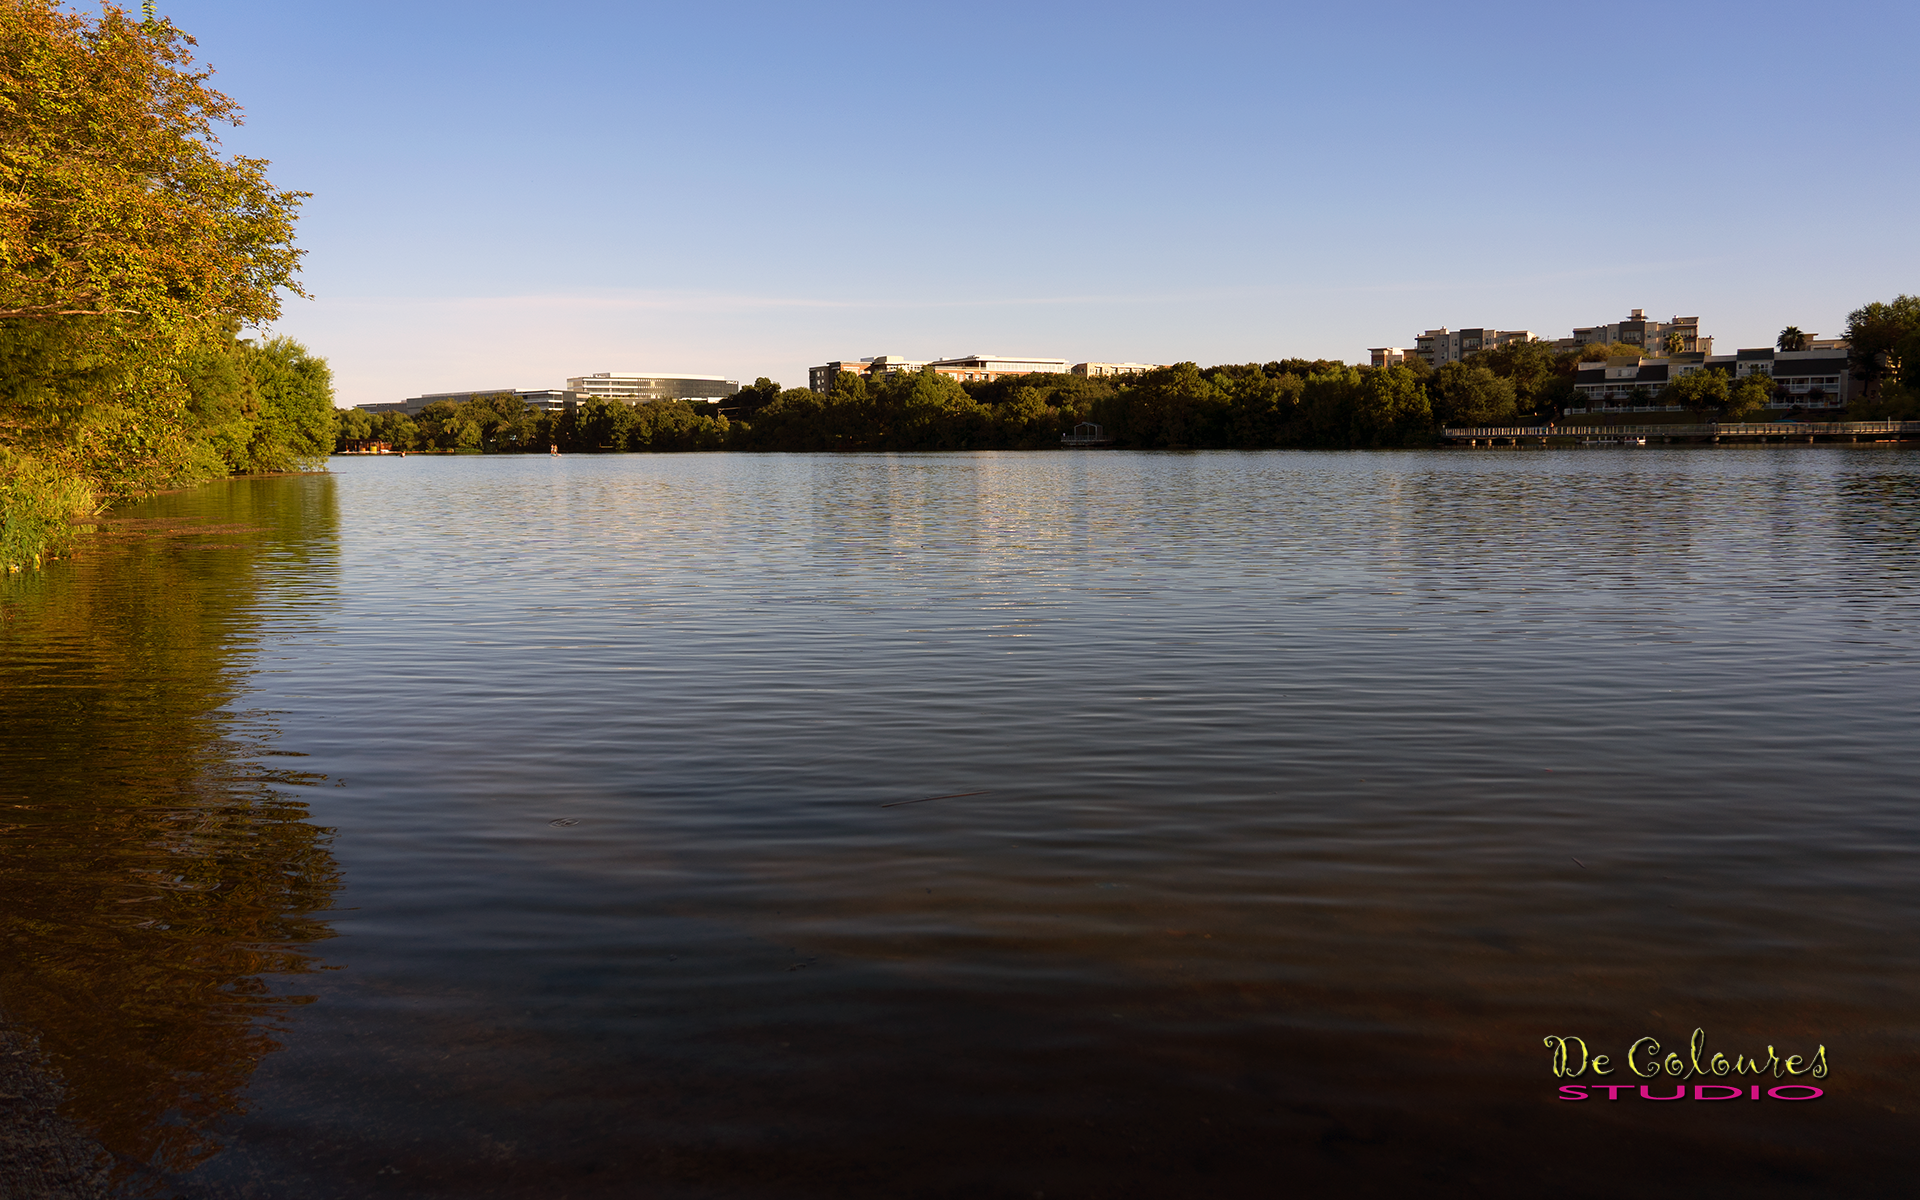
43 1155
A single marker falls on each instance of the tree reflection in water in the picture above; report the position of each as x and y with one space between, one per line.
157 871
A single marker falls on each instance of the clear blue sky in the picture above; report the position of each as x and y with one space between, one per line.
505 195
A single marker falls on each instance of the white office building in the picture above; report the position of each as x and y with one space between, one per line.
645 387
980 368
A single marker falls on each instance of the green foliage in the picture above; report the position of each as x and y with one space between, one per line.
1392 409
397 430
1464 393
1542 377
130 253
292 407
1891 402
351 425
1791 338
1906 359
1295 402
38 505
1176 407
1262 406
1749 396
1881 342
1601 351
1703 392
752 398
118 205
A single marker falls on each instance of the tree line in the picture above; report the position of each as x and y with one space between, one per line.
1290 403
131 255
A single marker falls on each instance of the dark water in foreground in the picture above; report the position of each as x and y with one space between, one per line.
529 827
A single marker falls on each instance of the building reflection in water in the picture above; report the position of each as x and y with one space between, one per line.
157 868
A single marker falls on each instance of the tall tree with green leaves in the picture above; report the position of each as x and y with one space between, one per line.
1877 337
1470 394
1705 393
1790 339
131 251
1749 396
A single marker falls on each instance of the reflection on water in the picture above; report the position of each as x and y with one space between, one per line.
156 865
1286 802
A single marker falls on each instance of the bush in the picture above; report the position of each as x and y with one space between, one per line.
38 504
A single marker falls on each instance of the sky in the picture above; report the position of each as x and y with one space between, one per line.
509 195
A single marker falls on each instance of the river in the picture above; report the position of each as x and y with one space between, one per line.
1099 824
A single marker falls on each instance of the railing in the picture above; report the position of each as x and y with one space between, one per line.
1722 429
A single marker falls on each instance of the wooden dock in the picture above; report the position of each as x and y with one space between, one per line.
1734 432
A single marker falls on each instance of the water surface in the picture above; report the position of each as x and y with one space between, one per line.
1286 801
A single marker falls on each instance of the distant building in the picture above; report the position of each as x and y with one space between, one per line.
639 387
980 368
1802 379
544 399
1816 377
1636 330
1443 345
820 379
1096 370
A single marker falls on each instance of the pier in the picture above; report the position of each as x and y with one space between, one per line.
1745 432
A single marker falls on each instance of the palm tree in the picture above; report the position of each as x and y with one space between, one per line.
1791 339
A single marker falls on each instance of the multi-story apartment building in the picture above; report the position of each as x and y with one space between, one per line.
1816 377
1438 346
642 387
1094 370
1803 379
820 379
1443 345
1637 330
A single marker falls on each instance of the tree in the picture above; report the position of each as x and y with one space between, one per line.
1791 339
119 205
1702 392
754 397
1264 408
1542 377
1169 407
925 410
1327 401
292 425
396 429
1391 409
131 252
1470 394
1749 396
351 425
1876 336
1676 343
1601 351
1906 358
